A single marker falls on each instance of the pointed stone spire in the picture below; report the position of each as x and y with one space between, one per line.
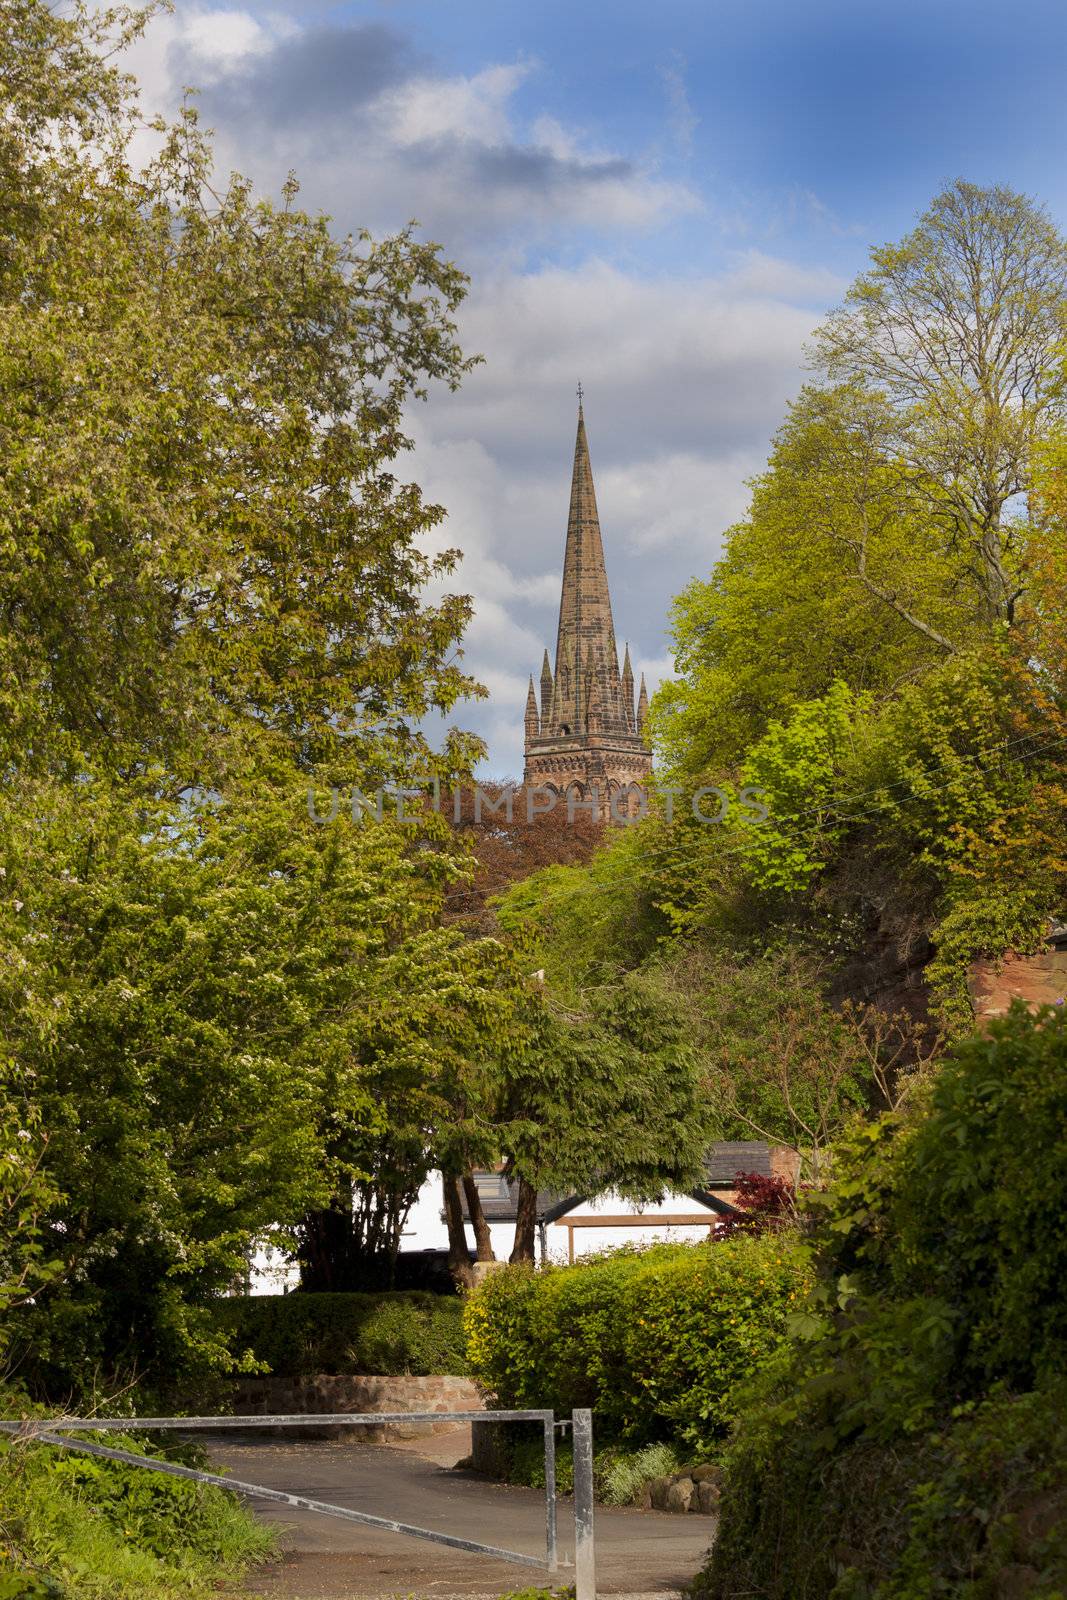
532 721
546 694
588 733
642 707
628 691
586 632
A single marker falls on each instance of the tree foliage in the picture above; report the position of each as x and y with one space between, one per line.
212 583
957 329
204 549
933 1357
890 529
229 1021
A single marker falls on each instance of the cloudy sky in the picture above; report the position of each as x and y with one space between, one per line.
659 200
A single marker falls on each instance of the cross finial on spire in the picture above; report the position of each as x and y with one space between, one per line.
581 393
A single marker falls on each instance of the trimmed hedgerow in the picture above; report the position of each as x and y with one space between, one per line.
386 1334
654 1341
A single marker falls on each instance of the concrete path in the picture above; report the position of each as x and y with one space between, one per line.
638 1552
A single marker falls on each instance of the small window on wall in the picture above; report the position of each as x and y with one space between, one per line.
565 729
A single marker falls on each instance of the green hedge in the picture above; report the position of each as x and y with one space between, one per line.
384 1334
653 1340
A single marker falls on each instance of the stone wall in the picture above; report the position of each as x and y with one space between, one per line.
1039 980
329 1395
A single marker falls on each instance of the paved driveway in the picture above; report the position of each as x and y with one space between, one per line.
638 1552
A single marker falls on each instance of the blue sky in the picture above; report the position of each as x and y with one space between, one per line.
660 200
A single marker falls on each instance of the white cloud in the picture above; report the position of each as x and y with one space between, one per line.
679 499
220 40
656 670
377 135
193 46
683 119
756 273
687 372
472 110
671 364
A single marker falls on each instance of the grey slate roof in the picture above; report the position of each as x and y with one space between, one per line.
726 1159
500 1199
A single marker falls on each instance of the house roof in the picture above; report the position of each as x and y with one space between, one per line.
499 1195
726 1159
500 1199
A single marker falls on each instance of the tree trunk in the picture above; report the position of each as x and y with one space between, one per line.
525 1223
459 1259
325 1251
483 1239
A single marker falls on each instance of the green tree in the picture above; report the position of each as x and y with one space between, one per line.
786 614
234 1023
29 1260
931 1360
958 330
206 557
609 1097
212 589
892 527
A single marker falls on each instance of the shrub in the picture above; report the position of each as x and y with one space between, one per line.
619 1473
384 1334
653 1340
763 1205
914 1443
81 1526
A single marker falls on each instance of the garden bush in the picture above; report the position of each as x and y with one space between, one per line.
620 1472
913 1442
654 1341
78 1526
380 1334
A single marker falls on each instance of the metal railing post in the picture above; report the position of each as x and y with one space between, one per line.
550 1495
584 1555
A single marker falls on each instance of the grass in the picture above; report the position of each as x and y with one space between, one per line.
540 1594
621 1475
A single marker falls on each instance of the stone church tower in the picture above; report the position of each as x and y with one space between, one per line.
587 731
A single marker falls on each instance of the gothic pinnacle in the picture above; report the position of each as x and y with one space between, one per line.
628 690
532 719
546 694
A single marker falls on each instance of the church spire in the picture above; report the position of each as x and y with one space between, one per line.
586 633
587 736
